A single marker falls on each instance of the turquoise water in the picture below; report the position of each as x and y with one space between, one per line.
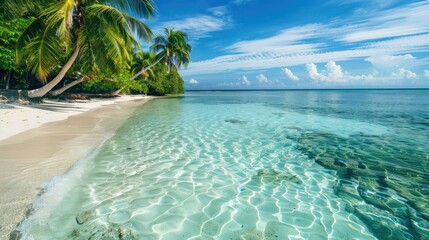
252 165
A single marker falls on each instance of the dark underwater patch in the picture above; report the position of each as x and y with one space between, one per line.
390 180
235 121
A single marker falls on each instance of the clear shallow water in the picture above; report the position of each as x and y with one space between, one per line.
252 165
4 106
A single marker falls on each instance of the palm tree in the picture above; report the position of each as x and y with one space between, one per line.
97 33
141 60
172 47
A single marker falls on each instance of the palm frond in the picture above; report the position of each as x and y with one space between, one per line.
107 29
32 31
139 27
43 54
143 8
60 14
14 8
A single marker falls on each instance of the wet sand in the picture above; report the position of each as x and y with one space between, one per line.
36 156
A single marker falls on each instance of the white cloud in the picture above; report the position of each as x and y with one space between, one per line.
403 73
313 73
426 73
290 74
199 26
334 73
289 41
369 3
363 77
218 11
262 79
245 81
388 62
229 84
239 2
193 81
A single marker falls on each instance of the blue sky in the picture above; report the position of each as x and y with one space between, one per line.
274 44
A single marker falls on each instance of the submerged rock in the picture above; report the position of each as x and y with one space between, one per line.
15 235
270 175
235 121
85 216
361 165
340 163
105 231
277 230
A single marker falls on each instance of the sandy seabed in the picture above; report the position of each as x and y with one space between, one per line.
42 141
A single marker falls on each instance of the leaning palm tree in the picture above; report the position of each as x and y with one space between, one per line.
97 33
142 60
172 47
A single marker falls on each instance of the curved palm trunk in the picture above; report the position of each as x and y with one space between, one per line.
67 86
147 68
40 92
116 92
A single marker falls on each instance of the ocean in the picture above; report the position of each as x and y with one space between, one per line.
310 164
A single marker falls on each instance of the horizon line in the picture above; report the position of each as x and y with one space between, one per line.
304 89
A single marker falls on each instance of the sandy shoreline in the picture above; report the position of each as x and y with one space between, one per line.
50 140
22 118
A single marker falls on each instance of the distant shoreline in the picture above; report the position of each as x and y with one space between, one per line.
307 89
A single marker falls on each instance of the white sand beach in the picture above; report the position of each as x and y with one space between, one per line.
42 141
25 117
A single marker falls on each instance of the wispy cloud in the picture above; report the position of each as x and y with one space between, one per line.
372 2
390 62
239 2
290 74
273 60
401 21
218 11
426 73
314 43
286 41
199 26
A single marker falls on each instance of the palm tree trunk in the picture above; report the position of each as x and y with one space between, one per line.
8 79
147 68
67 86
40 92
116 92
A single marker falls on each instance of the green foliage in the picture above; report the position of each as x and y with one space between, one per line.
124 82
44 34
162 82
174 83
99 35
10 29
121 80
9 33
95 86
